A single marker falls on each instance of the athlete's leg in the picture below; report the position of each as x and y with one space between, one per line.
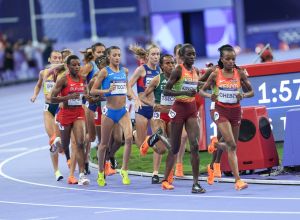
125 123
193 132
141 127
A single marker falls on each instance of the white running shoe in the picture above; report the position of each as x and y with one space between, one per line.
83 180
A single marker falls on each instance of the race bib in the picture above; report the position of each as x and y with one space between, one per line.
49 86
96 115
75 102
156 115
166 100
227 96
120 88
187 86
172 113
46 107
104 110
148 80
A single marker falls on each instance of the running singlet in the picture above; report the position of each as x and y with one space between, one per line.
119 79
143 82
159 97
188 81
227 88
48 83
93 71
72 87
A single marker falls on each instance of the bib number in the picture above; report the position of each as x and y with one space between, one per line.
172 113
120 88
156 115
166 100
226 96
76 102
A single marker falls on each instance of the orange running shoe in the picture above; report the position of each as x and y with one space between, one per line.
217 170
144 147
171 177
108 171
72 180
210 175
165 185
179 170
239 185
211 147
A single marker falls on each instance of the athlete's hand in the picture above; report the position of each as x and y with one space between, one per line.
137 104
239 97
74 95
111 87
213 97
191 93
33 98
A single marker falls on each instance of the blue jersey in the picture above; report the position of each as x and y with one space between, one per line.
93 71
119 80
143 82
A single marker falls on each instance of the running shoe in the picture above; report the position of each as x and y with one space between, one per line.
217 170
210 175
125 178
155 179
197 188
72 180
83 180
239 185
179 170
211 147
108 170
58 175
87 169
165 185
144 147
101 179
171 177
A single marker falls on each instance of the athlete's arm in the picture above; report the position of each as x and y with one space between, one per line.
246 83
210 82
37 87
95 88
153 84
84 71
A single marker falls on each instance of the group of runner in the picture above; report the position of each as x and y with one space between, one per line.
84 102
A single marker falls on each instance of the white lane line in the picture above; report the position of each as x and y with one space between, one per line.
108 211
21 130
52 217
23 140
13 116
16 109
120 192
155 210
13 150
19 122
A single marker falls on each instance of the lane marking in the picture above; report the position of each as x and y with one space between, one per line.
22 140
52 217
121 192
21 130
153 210
14 116
108 211
18 122
13 150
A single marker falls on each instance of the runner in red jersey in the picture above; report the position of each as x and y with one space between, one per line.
71 88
